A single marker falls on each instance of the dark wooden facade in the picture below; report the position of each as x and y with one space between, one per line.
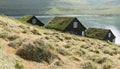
33 20
110 37
67 24
80 30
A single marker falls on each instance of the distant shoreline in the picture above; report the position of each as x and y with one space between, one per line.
67 15
63 14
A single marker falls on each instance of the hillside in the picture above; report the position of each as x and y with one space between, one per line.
37 7
23 46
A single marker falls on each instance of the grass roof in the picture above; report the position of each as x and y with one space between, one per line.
97 33
26 18
59 23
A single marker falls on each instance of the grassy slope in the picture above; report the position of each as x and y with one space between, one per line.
42 48
9 61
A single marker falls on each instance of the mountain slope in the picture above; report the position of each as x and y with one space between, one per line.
38 47
21 7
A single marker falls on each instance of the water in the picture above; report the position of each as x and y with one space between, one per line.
97 21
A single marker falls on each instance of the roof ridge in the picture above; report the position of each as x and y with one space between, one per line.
99 28
99 33
60 23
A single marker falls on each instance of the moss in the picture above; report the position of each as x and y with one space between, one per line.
59 23
97 33
26 18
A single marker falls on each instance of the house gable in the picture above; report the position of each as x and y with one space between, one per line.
96 33
67 24
37 22
102 34
80 25
79 29
110 36
32 19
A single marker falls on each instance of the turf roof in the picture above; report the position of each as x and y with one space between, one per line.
26 18
97 33
59 23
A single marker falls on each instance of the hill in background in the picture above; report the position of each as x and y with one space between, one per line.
37 7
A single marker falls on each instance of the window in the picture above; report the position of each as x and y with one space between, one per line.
113 40
34 21
109 34
83 33
75 24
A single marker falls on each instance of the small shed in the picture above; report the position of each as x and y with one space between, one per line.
32 19
67 24
102 34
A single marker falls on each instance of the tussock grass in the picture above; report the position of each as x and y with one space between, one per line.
38 50
8 36
3 35
89 65
107 66
16 43
9 61
62 51
38 44
109 51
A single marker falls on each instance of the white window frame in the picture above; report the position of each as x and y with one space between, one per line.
113 40
109 34
83 33
34 21
75 24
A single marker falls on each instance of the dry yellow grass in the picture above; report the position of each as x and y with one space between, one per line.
66 51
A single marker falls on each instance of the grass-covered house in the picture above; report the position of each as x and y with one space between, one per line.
102 34
67 24
32 19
